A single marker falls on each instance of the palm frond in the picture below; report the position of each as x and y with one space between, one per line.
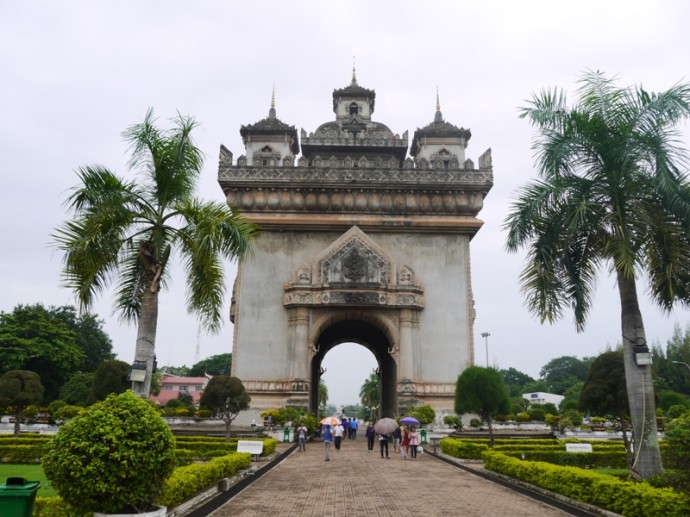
170 160
212 232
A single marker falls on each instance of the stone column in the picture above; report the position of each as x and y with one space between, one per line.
409 323
298 351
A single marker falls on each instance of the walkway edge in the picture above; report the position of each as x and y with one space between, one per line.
560 501
213 498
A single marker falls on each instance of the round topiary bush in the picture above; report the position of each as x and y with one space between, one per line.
113 457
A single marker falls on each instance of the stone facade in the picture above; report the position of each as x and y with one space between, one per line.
359 244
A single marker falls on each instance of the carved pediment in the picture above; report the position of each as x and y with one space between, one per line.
354 271
354 259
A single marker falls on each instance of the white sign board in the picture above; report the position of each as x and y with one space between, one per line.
578 447
250 446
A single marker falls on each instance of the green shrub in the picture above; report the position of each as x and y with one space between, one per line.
113 457
676 411
522 417
424 413
536 414
66 412
453 421
624 497
204 413
463 449
187 481
56 507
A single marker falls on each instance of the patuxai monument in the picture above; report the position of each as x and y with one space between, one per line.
365 239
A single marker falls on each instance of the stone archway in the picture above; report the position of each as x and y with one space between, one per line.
375 340
359 242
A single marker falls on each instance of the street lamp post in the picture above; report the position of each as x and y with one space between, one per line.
681 362
486 335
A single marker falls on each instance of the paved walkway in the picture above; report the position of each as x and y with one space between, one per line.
356 482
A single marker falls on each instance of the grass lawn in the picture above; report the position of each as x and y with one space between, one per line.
30 473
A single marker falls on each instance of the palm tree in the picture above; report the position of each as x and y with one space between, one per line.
127 231
369 393
610 192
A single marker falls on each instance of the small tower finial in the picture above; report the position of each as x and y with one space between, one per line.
272 111
354 72
439 116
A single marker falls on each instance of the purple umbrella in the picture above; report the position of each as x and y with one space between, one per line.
409 420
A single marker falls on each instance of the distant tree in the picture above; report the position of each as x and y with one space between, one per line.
424 413
128 231
670 398
572 397
220 364
92 340
226 397
369 394
33 338
516 381
186 398
180 371
20 389
670 375
605 393
482 391
353 410
111 377
78 391
563 372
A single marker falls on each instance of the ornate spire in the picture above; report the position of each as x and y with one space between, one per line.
354 73
439 116
272 111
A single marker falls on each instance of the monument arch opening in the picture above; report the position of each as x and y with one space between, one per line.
368 335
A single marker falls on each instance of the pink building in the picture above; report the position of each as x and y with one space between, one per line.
172 385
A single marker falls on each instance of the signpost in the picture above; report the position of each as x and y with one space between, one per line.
253 447
578 447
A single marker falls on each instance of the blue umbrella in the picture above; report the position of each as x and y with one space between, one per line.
409 420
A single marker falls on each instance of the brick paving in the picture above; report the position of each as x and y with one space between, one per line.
357 482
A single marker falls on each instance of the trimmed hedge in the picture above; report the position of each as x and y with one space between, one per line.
185 482
625 497
24 453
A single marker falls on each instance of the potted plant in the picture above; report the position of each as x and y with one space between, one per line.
112 458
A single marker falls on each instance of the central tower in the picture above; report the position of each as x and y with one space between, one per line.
360 243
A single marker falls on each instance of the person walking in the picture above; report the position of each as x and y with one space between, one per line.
302 437
383 443
414 441
338 436
370 434
327 437
405 442
397 436
353 428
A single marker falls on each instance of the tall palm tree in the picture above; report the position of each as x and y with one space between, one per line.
127 231
369 393
611 191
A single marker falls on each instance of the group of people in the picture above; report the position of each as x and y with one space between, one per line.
405 440
335 434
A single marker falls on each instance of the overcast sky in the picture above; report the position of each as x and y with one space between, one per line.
75 74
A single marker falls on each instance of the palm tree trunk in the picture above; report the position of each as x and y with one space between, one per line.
146 339
638 380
